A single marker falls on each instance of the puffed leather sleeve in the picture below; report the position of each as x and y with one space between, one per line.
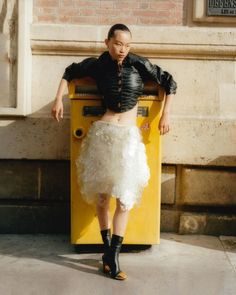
153 72
87 67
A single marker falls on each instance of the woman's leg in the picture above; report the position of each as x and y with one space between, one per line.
120 219
103 211
103 214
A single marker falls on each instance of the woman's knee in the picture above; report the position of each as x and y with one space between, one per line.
121 207
103 201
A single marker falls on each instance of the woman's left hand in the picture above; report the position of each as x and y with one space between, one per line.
164 125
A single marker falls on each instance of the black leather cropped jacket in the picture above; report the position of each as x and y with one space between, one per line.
122 85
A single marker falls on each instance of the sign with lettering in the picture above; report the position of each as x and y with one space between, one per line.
221 7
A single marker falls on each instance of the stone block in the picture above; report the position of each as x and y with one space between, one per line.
221 225
55 180
19 180
169 220
207 223
207 186
168 180
200 141
35 218
191 223
35 138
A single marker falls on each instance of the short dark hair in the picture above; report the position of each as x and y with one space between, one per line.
115 27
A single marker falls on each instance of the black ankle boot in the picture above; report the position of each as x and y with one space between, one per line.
116 243
106 237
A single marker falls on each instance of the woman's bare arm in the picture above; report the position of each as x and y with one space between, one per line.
57 108
164 125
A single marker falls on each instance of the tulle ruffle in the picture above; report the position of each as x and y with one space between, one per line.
113 160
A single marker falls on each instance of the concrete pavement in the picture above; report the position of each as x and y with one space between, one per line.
181 264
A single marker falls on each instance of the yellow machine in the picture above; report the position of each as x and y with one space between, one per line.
144 222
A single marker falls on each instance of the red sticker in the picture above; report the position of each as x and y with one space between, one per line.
145 126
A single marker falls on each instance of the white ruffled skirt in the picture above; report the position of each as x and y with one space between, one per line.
112 160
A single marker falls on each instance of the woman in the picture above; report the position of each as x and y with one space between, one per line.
112 160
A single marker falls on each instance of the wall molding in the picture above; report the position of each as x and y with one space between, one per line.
176 42
169 51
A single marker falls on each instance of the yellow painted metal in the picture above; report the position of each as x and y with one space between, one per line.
144 221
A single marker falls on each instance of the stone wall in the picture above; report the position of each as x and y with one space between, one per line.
198 199
199 153
34 196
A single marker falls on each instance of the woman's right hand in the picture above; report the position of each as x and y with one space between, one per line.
57 109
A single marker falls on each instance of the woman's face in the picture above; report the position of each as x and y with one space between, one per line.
119 45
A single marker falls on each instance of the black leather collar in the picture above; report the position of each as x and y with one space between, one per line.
106 57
